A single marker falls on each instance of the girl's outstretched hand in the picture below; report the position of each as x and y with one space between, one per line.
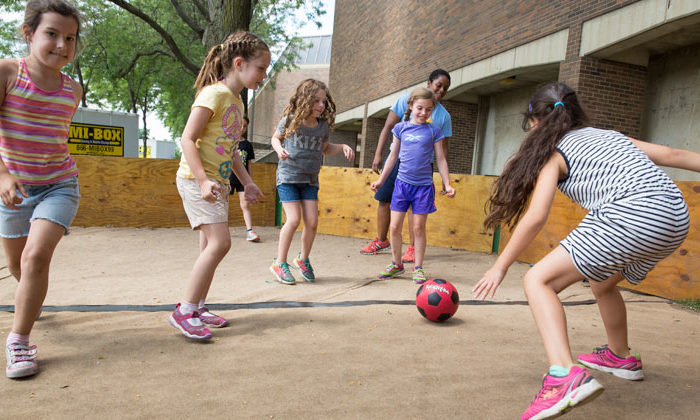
9 185
211 191
252 193
283 154
349 153
448 190
486 287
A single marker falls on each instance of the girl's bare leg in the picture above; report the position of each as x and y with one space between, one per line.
34 268
542 283
215 242
292 209
310 215
614 313
419 221
395 235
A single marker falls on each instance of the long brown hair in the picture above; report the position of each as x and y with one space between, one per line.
418 93
219 60
557 110
301 105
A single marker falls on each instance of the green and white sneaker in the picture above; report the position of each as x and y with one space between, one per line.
418 275
391 270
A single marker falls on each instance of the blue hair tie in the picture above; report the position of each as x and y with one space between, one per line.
556 104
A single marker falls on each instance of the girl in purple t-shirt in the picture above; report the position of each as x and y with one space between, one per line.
414 144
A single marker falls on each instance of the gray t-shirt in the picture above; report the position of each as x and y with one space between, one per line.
305 156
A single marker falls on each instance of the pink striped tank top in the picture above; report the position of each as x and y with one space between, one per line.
34 126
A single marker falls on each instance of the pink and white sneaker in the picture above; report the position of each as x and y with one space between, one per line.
604 359
211 320
189 324
21 360
558 394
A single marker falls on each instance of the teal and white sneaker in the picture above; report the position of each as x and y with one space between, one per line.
305 269
281 272
391 270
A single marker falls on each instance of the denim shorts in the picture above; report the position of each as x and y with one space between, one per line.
57 203
297 192
387 189
421 198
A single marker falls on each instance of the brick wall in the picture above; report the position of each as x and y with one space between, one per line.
461 147
341 137
373 129
613 94
415 38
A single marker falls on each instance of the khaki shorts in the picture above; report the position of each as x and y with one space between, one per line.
199 211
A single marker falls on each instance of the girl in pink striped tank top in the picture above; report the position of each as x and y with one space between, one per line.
38 178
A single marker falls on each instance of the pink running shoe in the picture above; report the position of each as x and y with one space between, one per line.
211 320
189 324
604 359
410 255
375 246
559 394
21 360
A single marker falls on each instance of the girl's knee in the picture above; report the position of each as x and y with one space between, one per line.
34 258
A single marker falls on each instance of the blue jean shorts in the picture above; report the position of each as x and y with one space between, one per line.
421 198
297 192
387 189
57 203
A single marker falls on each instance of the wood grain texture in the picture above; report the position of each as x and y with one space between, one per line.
347 208
131 192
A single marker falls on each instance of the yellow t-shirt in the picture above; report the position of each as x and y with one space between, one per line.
220 136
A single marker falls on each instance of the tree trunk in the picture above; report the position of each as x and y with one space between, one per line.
226 16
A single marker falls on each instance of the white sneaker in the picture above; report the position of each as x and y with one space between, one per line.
251 236
21 360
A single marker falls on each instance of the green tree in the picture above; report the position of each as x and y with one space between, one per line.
143 55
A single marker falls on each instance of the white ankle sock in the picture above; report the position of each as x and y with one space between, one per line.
187 308
18 338
201 303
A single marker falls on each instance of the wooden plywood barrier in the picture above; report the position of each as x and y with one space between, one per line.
676 277
347 208
131 192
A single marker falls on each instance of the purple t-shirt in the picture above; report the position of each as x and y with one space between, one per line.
416 151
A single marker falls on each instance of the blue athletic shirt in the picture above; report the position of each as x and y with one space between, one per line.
416 151
439 116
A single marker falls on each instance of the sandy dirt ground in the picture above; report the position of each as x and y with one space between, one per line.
346 347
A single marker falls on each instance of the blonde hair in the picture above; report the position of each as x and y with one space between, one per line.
301 105
418 93
220 58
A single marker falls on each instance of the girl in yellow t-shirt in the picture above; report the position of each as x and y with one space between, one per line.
209 155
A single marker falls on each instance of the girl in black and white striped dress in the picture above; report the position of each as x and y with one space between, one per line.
637 216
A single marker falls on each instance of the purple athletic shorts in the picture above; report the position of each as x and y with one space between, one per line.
421 198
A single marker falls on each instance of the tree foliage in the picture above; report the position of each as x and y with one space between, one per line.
143 55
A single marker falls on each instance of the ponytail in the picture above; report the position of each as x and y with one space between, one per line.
556 110
417 93
219 59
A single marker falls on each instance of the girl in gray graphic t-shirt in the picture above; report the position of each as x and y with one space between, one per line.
301 140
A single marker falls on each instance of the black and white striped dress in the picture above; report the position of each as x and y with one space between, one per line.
637 215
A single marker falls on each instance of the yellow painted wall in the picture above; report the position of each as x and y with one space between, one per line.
133 192
347 208
676 277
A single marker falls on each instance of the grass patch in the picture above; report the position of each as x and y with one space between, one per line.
693 304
